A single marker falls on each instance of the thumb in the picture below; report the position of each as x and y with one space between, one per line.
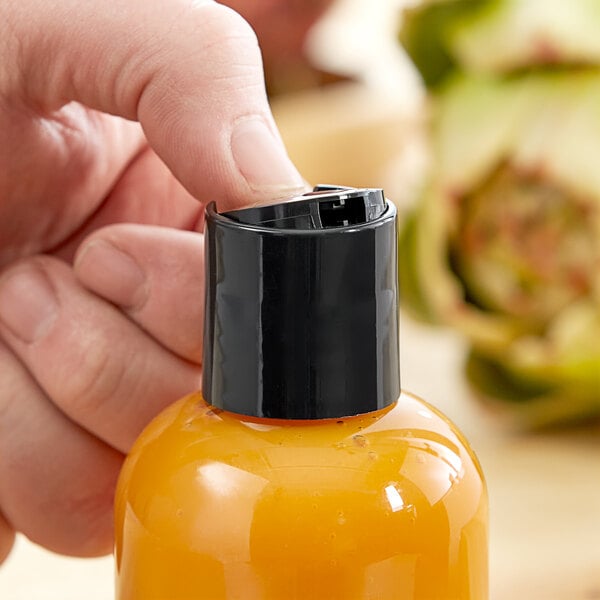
189 70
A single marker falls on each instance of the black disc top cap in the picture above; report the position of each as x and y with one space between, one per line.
301 313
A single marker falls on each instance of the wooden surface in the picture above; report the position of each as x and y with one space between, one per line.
544 490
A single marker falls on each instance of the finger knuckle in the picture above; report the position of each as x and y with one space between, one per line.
98 375
221 23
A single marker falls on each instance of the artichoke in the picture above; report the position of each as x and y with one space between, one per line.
504 243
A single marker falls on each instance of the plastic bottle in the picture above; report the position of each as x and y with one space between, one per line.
302 472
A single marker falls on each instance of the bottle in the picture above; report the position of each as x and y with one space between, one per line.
301 471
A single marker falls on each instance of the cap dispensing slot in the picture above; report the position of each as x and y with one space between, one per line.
323 208
301 306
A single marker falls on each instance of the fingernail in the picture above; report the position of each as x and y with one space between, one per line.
111 273
28 304
261 157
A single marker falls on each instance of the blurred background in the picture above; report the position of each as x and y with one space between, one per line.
481 120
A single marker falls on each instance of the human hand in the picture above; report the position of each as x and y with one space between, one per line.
90 352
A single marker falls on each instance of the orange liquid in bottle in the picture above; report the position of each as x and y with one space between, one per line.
390 505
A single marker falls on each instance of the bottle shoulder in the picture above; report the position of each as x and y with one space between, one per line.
368 497
409 445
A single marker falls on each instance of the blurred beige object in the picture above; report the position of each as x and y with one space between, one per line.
32 573
361 132
351 134
359 39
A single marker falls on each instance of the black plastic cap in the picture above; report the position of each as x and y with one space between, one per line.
301 314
